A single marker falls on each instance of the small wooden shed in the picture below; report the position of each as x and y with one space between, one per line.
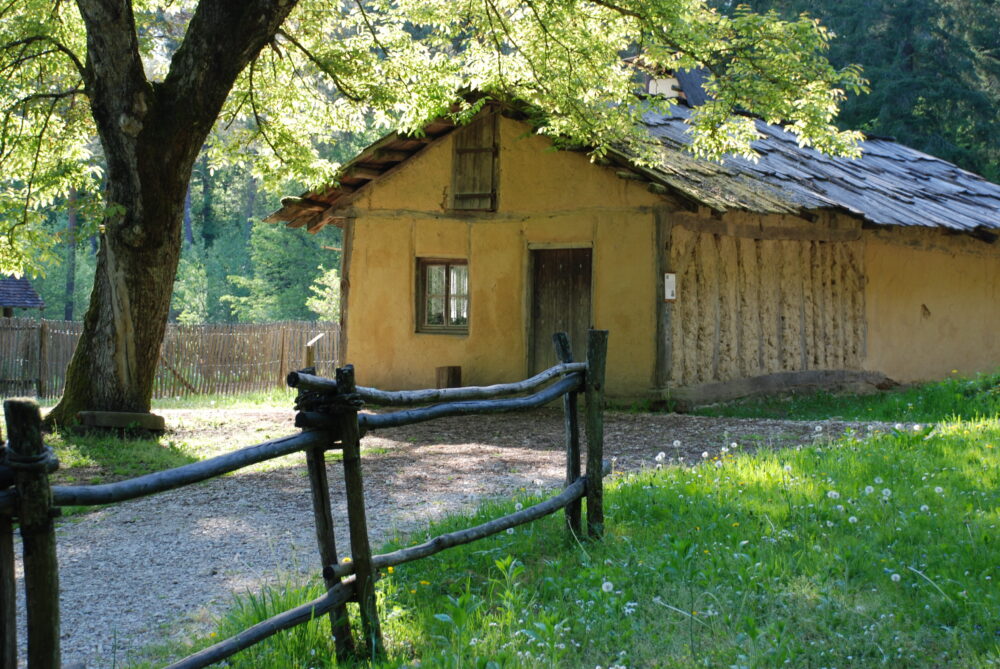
468 246
17 293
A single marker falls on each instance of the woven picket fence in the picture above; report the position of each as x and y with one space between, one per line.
194 359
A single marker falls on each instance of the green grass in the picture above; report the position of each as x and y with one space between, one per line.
266 399
930 402
877 552
275 397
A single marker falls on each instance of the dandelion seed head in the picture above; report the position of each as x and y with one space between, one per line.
869 489
704 454
895 578
878 480
852 520
607 586
661 456
939 490
886 492
833 494
925 508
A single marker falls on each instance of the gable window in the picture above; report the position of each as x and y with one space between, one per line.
442 295
474 165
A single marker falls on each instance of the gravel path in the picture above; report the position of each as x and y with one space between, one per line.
160 568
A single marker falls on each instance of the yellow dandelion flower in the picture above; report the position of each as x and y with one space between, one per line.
391 570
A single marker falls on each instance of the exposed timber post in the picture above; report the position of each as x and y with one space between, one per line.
8 584
564 353
282 359
597 355
30 460
311 351
319 485
8 595
43 358
361 552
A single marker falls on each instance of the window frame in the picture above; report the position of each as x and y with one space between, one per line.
422 296
490 117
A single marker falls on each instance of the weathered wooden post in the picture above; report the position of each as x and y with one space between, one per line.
361 552
311 351
597 355
8 585
43 359
572 433
319 486
282 358
30 460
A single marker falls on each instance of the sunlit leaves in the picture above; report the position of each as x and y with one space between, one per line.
377 65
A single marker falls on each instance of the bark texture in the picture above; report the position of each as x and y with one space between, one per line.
151 134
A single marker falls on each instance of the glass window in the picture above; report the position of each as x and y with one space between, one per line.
443 295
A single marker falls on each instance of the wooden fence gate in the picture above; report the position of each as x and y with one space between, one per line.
328 413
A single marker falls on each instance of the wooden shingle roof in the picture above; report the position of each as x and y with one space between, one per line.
890 185
17 292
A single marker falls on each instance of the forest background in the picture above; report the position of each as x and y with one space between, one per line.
934 73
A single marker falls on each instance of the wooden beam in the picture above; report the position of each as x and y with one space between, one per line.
597 355
358 172
390 156
303 203
38 531
571 434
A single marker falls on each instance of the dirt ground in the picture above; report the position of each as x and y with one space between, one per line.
160 568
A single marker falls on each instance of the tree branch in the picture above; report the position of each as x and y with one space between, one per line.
346 92
57 46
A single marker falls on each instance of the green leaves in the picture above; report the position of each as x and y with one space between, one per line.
376 65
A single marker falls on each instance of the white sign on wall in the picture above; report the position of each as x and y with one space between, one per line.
669 287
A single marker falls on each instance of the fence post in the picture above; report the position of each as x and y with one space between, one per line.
8 584
30 460
564 353
319 485
311 351
597 354
282 360
361 552
43 358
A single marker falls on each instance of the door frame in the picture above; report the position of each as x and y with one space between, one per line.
529 287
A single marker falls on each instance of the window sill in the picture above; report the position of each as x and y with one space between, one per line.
463 332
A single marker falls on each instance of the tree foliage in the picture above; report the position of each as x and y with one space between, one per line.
933 67
389 64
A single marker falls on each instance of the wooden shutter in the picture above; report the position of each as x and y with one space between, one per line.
474 181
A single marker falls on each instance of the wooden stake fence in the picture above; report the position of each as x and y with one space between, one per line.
194 359
328 410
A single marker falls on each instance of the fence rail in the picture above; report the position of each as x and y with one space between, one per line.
194 359
333 406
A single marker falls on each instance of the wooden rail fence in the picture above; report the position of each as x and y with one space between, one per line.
194 359
328 415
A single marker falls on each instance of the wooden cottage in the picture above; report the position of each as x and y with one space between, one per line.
471 245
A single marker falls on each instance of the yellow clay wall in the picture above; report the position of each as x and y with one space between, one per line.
546 199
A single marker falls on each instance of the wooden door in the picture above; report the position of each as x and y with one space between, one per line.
560 302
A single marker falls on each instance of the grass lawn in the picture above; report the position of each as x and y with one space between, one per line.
868 551
930 402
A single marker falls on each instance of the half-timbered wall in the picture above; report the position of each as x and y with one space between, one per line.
748 306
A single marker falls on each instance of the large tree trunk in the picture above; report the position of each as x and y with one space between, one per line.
151 137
